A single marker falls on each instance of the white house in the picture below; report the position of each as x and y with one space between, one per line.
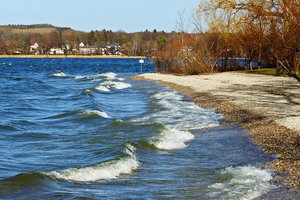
83 49
81 45
88 50
34 47
56 51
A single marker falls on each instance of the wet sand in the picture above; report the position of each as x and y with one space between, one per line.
267 106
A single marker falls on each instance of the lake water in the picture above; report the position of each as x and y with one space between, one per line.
82 128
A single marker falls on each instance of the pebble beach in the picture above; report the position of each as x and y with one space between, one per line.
267 106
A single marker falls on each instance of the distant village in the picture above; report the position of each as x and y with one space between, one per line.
82 49
45 39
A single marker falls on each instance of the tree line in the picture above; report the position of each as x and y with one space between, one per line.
20 37
265 31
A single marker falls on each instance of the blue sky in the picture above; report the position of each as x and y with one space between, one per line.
86 15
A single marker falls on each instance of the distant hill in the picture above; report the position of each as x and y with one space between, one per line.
32 29
32 26
18 38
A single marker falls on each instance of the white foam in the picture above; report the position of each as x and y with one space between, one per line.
79 77
176 112
113 84
102 88
121 85
248 182
96 112
171 139
59 74
109 75
104 171
99 77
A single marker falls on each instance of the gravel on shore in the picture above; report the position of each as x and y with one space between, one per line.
268 107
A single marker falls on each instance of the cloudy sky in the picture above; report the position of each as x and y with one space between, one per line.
86 15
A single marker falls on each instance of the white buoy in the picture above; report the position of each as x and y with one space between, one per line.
141 61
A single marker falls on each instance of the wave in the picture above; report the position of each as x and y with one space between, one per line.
109 75
171 139
59 75
106 86
176 111
104 171
21 179
7 128
88 113
96 112
102 88
79 77
98 77
247 182
116 85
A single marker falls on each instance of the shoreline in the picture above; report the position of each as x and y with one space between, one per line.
274 137
70 56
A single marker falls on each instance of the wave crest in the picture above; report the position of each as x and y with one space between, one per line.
171 139
107 85
247 182
104 171
96 112
59 75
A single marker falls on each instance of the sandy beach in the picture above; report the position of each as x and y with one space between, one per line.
267 106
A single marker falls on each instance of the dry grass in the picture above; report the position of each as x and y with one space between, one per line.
34 31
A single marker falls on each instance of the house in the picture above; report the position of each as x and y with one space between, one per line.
86 50
34 47
103 50
110 49
56 51
81 45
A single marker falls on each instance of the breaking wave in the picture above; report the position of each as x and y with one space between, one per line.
106 86
109 75
59 75
171 139
181 113
103 171
178 115
99 77
96 112
248 182
102 88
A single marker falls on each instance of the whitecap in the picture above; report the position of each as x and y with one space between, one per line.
79 77
104 171
121 85
96 112
109 75
98 77
59 74
247 182
171 139
173 110
102 88
107 85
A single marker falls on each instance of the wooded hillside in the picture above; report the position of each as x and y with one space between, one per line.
19 38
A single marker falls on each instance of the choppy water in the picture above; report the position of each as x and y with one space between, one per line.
72 128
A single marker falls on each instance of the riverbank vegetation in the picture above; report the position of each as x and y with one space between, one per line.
240 35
